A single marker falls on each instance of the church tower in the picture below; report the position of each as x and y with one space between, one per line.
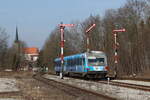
16 47
16 38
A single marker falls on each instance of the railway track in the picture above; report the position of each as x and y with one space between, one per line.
70 89
13 93
136 79
127 85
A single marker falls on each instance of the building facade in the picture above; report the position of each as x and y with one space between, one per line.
31 54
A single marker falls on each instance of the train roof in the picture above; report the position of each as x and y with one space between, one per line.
72 56
80 55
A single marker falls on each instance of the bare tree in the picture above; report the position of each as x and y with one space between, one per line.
3 47
16 54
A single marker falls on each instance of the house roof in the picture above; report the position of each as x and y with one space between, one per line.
32 50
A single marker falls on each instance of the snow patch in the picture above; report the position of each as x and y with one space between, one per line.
8 85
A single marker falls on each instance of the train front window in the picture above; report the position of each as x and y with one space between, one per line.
96 61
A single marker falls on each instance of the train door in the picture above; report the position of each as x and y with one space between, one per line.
65 65
83 63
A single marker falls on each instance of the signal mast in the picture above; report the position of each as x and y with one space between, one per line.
87 36
116 47
62 27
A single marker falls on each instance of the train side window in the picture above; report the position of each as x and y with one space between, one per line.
59 63
65 62
69 62
76 61
55 63
73 62
83 61
80 61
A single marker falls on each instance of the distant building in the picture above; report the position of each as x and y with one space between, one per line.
31 54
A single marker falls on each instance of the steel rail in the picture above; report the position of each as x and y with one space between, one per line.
135 79
127 85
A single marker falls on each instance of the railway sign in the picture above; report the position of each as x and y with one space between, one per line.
68 25
119 30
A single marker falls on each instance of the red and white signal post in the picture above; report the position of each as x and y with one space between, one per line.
116 46
62 27
87 36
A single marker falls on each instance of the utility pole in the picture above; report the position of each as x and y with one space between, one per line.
62 27
116 47
87 37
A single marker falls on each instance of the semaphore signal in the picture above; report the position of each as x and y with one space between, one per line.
87 36
62 27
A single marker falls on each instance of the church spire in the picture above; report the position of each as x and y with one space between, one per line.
16 38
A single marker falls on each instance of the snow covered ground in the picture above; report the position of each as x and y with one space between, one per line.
8 85
121 93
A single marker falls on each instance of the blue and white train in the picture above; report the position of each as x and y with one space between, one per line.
88 65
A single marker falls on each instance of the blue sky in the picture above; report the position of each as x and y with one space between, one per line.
37 18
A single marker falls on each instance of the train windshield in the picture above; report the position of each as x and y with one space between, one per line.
96 61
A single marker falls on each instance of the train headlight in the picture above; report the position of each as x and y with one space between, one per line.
106 68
